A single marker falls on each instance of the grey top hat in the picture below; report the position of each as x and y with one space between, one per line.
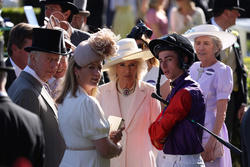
82 4
226 4
48 40
69 3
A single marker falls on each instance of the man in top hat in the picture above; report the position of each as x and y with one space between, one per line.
225 13
20 36
179 138
21 131
68 9
79 20
28 89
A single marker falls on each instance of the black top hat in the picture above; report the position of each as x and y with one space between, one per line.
69 3
140 29
4 67
226 4
48 40
82 4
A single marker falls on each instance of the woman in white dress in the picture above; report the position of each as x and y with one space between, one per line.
128 97
82 122
216 81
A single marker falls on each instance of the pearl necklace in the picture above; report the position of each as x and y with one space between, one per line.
125 91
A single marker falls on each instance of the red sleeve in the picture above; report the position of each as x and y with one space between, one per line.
176 111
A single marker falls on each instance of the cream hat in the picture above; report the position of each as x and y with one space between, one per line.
128 50
99 46
227 39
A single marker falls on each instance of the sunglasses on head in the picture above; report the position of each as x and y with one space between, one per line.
142 46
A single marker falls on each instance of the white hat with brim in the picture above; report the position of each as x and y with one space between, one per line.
227 39
128 50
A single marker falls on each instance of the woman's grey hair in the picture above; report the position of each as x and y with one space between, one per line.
217 45
141 70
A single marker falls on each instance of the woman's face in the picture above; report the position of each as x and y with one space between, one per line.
88 77
204 48
126 71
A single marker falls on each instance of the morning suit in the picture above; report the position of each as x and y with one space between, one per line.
245 138
29 93
11 75
137 147
21 134
237 96
78 36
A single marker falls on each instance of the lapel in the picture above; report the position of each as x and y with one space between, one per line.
5 99
140 96
11 74
41 90
114 103
49 100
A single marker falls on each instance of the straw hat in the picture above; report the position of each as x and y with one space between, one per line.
128 50
227 39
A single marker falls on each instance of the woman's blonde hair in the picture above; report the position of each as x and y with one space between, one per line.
103 45
141 70
69 83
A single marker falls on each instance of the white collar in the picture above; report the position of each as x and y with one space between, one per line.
17 69
215 24
33 73
3 94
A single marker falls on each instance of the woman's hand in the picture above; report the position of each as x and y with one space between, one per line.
116 136
208 153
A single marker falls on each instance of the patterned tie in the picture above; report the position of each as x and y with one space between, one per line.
54 86
46 86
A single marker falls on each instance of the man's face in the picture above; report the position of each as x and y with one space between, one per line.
170 64
22 54
78 21
46 65
50 8
233 15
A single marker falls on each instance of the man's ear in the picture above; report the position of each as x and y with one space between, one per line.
33 59
14 49
185 59
67 14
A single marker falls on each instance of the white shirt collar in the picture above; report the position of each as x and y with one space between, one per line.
33 73
17 69
214 23
3 94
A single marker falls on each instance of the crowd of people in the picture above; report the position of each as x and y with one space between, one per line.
167 78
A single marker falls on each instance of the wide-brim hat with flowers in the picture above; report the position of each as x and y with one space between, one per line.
227 39
128 50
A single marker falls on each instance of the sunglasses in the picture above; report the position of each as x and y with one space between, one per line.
142 46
